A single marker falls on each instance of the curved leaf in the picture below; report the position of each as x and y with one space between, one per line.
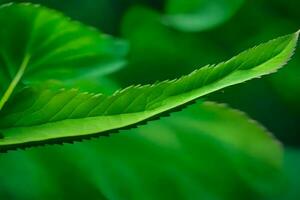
37 116
50 46
199 15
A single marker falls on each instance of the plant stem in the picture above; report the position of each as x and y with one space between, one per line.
15 81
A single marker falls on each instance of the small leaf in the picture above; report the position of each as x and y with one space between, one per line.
50 46
37 116
199 15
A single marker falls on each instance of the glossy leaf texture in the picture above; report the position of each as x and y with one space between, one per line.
40 116
185 156
37 44
199 15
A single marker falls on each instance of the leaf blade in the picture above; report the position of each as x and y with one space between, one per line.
100 114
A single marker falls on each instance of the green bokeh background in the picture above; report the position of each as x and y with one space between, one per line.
158 51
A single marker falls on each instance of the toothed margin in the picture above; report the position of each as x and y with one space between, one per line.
80 138
224 106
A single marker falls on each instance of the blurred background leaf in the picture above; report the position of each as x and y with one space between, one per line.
199 15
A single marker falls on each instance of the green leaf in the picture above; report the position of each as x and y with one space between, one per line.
38 116
50 46
186 156
199 15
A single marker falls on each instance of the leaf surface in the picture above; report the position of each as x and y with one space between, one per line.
37 44
38 116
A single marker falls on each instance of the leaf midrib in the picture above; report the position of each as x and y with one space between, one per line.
15 81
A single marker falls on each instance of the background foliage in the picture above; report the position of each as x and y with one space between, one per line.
158 161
